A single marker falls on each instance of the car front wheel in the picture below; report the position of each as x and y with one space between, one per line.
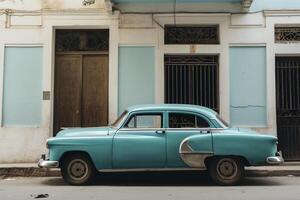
77 169
226 170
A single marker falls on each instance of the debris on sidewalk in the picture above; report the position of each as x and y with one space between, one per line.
39 196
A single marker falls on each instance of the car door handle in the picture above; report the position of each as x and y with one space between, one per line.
208 131
160 132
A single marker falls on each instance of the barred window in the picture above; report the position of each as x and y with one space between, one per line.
186 34
287 34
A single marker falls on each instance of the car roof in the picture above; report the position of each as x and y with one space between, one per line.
174 107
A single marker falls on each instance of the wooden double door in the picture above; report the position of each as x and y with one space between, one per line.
81 91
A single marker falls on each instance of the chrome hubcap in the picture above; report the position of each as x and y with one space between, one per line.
227 168
78 169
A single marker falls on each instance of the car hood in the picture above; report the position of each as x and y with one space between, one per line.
84 132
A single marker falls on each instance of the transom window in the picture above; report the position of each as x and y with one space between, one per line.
145 121
287 34
82 40
189 34
181 120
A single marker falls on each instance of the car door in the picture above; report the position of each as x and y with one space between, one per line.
140 142
180 126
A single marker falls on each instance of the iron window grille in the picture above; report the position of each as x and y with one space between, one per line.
287 34
82 40
184 34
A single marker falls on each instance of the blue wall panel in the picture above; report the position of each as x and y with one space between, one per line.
259 5
248 86
22 96
136 76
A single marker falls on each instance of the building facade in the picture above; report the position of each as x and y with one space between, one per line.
78 63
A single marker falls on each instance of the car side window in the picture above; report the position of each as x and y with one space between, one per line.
183 120
145 121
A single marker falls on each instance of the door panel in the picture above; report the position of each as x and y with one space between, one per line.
81 91
95 90
139 149
181 126
67 109
174 139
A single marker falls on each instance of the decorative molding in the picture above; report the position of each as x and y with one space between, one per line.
88 2
247 44
109 5
280 13
246 4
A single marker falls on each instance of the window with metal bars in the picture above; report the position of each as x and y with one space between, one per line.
192 79
288 106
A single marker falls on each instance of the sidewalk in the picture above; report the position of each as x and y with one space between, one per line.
287 169
31 170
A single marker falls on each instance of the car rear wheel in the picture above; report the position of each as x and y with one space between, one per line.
77 169
226 170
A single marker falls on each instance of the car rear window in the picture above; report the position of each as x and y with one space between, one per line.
183 120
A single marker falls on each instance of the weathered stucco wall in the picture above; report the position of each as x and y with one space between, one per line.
50 4
25 143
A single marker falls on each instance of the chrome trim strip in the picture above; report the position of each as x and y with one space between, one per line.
151 169
141 129
171 129
194 129
47 164
275 160
193 158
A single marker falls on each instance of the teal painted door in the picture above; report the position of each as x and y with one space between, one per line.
181 126
141 143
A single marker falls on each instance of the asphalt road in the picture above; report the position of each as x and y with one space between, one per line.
152 186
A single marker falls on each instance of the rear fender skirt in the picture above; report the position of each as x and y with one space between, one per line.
193 158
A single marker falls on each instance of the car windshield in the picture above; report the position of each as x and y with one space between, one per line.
120 119
222 121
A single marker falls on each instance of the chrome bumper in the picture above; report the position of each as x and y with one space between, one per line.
43 163
275 160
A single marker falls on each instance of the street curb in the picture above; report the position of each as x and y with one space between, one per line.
266 173
28 172
39 172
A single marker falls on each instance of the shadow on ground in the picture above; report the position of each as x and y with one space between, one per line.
162 179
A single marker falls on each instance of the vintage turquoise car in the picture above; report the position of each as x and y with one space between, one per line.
160 137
